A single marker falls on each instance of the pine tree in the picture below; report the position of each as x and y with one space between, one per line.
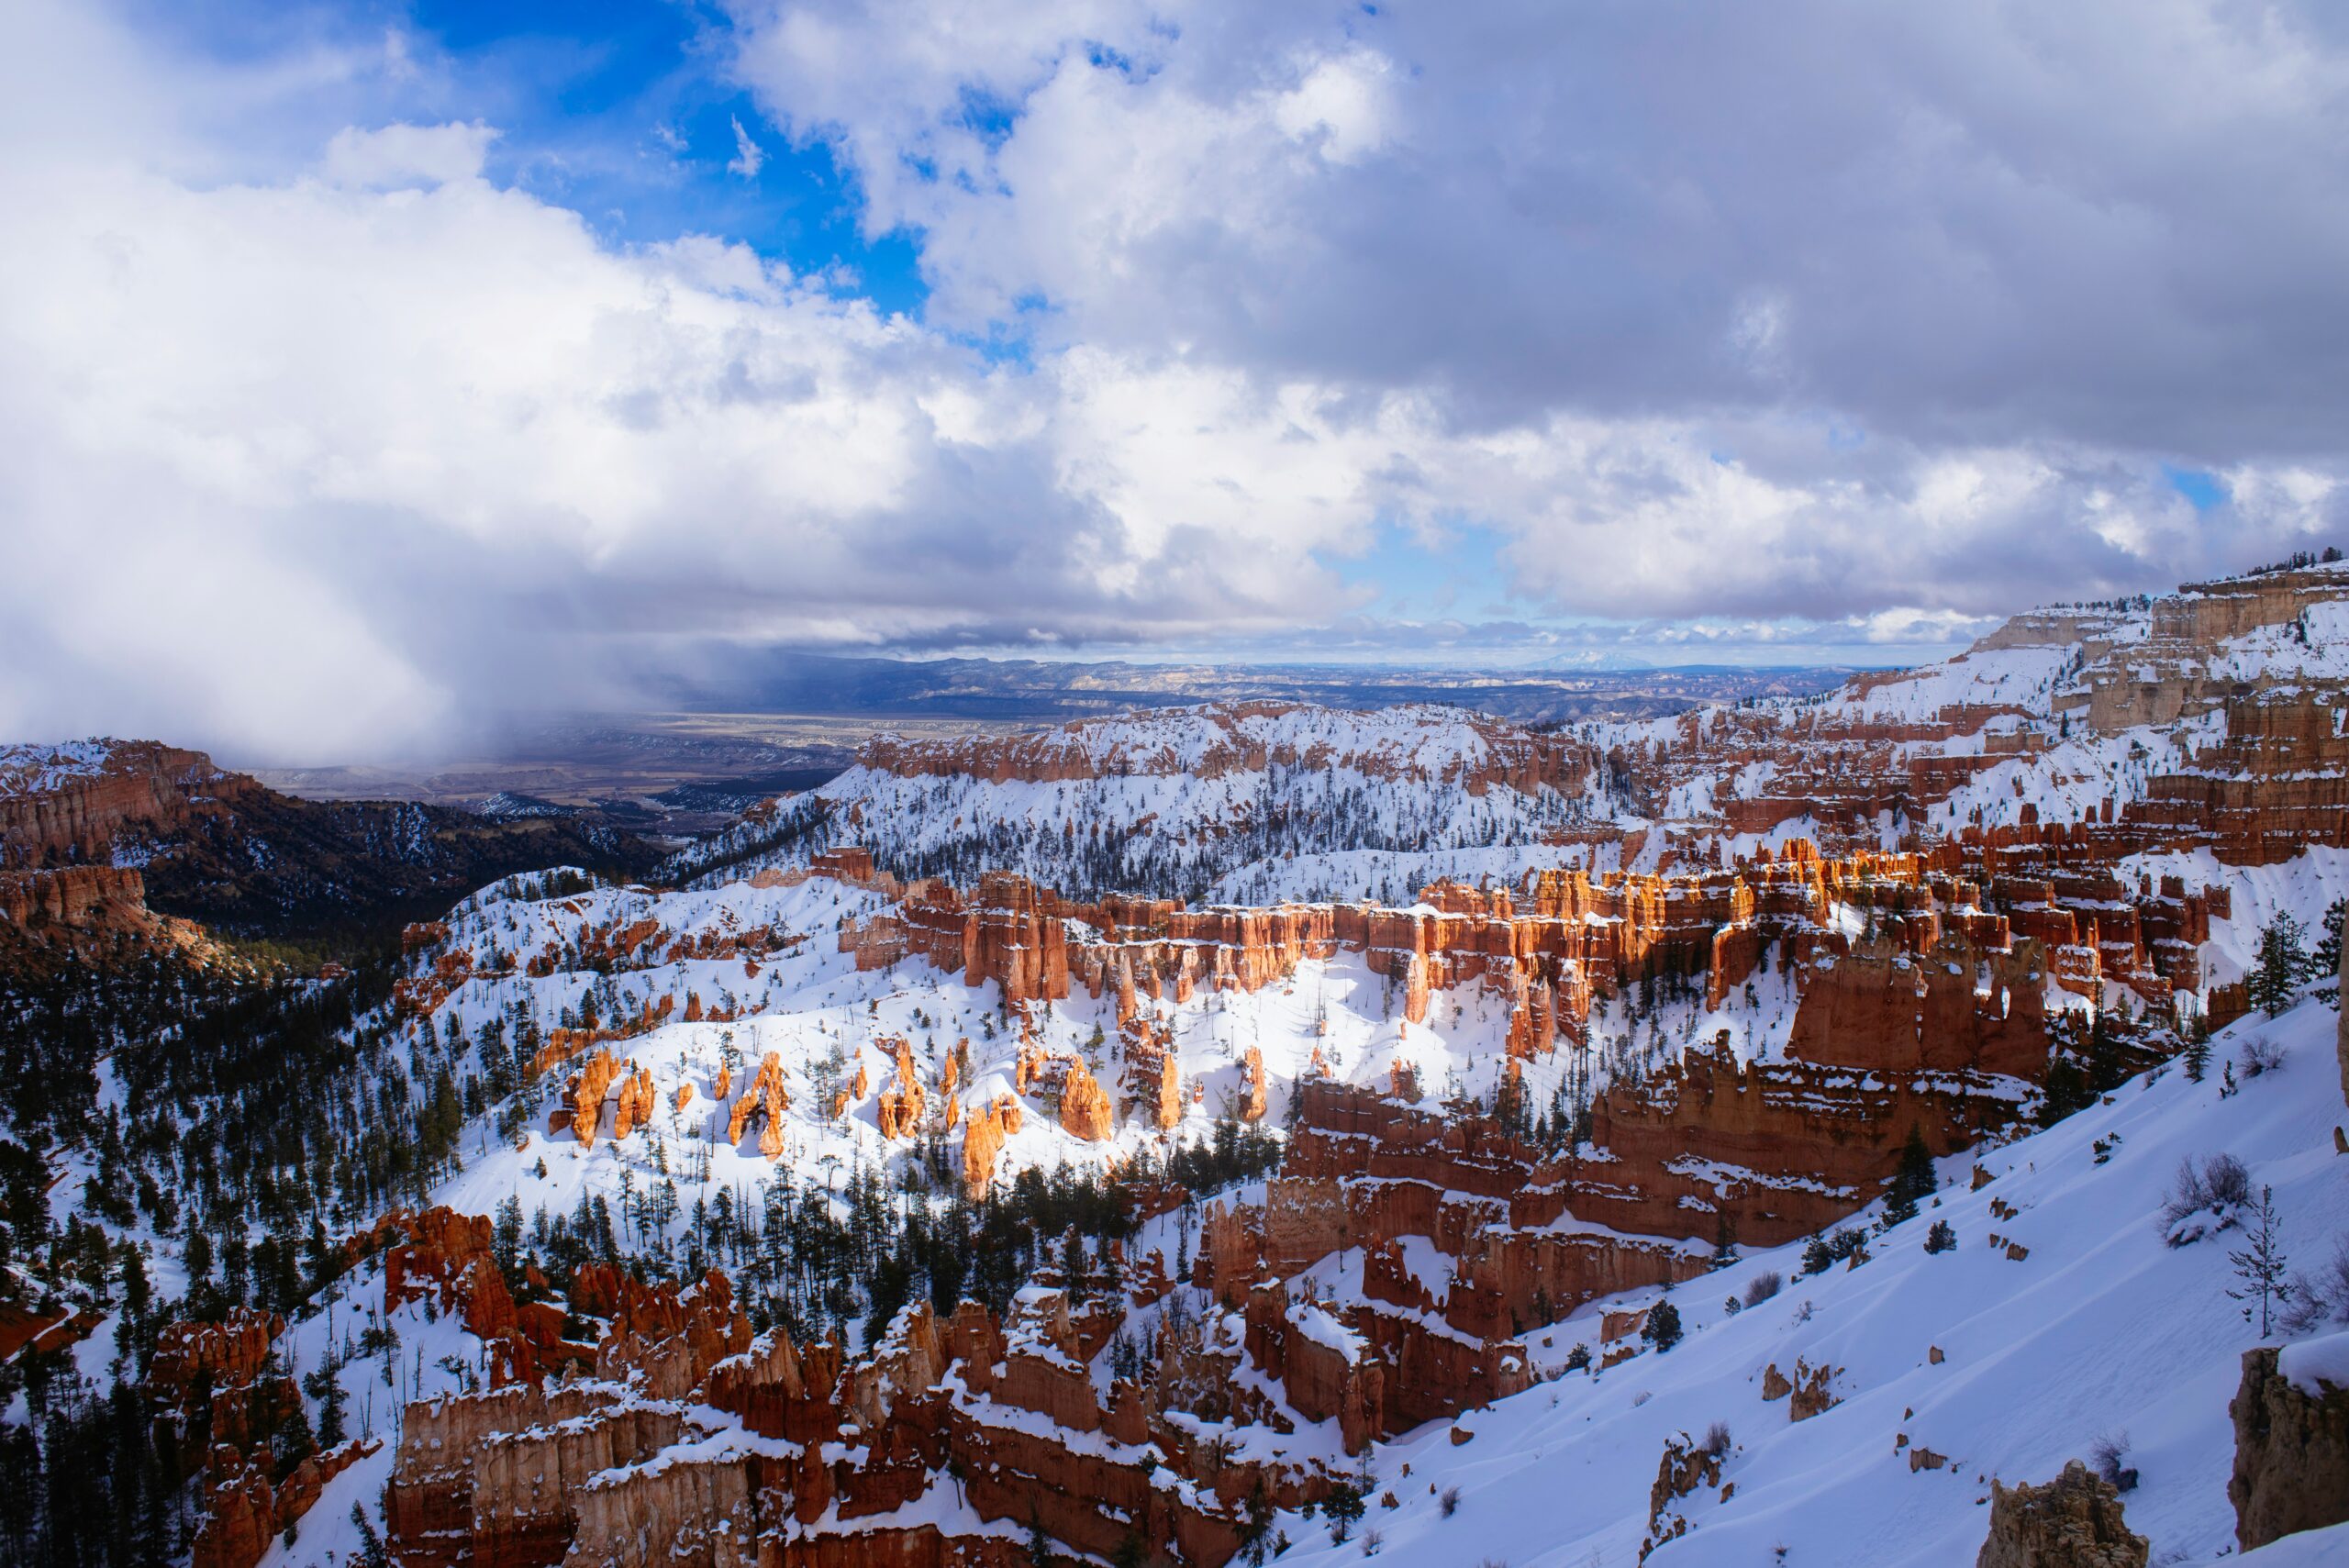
1912 1182
2064 1090
370 1545
2197 1049
1345 1507
507 1244
1941 1237
2274 979
1663 1327
2325 962
2260 1266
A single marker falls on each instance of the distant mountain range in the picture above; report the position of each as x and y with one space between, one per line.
1563 688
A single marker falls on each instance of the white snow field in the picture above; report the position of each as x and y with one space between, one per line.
2101 1330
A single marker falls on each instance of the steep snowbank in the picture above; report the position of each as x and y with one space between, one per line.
2100 1330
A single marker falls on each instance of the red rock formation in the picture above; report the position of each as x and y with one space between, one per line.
1085 1107
766 1097
594 1471
635 1104
223 1378
1890 1010
227 1367
1251 1098
82 914
596 1078
52 816
902 1102
244 1514
983 1135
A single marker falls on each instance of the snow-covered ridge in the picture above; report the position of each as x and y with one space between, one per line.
37 769
1422 741
1977 1362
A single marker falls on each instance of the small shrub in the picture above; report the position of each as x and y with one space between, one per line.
2107 1456
2229 1181
1372 1540
1577 1358
1716 1438
2320 1298
1450 1501
1941 1237
2204 1199
1762 1287
2260 1057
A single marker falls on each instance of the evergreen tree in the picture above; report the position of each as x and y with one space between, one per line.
2325 962
1912 1182
1663 1327
1345 1507
2066 1091
1941 1237
2198 1049
331 1430
370 1545
2274 978
507 1244
2259 1266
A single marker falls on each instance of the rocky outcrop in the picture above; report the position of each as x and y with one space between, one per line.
219 1395
1892 1010
633 1106
244 1512
1253 1085
983 1135
2341 1029
1687 1465
693 1443
63 805
220 849
903 1102
2074 1521
218 1383
763 1098
595 1081
1810 1392
2292 1469
1085 1106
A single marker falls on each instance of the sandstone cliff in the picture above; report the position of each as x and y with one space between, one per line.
2292 1469
2074 1521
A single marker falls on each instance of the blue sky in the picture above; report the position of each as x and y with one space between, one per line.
621 110
542 348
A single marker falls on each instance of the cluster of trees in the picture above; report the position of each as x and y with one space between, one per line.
846 1252
2299 560
247 1115
2286 963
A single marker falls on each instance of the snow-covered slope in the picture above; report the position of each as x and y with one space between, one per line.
827 1021
1198 802
2102 1330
